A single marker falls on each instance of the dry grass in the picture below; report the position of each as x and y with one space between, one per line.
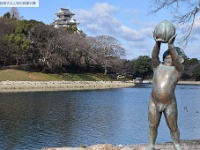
18 75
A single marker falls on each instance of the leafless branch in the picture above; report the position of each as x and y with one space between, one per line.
157 5
187 19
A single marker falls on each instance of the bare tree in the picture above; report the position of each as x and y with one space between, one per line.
7 26
109 49
78 50
182 17
15 13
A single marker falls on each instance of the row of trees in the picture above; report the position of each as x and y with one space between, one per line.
48 49
192 69
33 45
142 68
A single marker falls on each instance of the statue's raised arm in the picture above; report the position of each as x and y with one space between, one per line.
155 54
177 55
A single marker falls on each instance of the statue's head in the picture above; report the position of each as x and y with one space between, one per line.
180 52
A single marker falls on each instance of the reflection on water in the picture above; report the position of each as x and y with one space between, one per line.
35 120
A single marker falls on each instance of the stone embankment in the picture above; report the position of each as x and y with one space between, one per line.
189 82
185 145
23 86
12 86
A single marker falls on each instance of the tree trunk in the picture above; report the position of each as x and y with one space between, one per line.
105 71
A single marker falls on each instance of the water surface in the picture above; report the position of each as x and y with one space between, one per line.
34 120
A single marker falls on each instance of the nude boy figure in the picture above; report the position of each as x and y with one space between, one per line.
162 99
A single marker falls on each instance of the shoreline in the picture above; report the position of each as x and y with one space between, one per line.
28 86
185 145
189 82
33 86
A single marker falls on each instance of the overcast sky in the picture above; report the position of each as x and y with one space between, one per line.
126 20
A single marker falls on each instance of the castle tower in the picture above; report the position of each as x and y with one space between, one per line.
64 19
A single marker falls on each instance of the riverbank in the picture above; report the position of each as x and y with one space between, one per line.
189 82
25 86
185 145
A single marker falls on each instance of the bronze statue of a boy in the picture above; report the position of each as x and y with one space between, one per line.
162 99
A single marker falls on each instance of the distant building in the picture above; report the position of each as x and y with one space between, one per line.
65 19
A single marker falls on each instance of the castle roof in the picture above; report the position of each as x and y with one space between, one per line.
64 11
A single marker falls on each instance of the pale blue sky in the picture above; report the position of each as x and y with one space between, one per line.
128 21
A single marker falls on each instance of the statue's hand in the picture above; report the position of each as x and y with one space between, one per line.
158 43
171 41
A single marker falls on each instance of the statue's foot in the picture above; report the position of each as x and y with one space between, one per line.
150 147
177 147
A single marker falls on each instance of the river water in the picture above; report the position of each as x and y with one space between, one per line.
34 120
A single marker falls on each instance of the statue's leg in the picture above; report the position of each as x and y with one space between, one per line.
154 119
171 118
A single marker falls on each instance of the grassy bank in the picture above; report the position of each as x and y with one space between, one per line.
18 75
22 81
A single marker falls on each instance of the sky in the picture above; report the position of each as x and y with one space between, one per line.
128 21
